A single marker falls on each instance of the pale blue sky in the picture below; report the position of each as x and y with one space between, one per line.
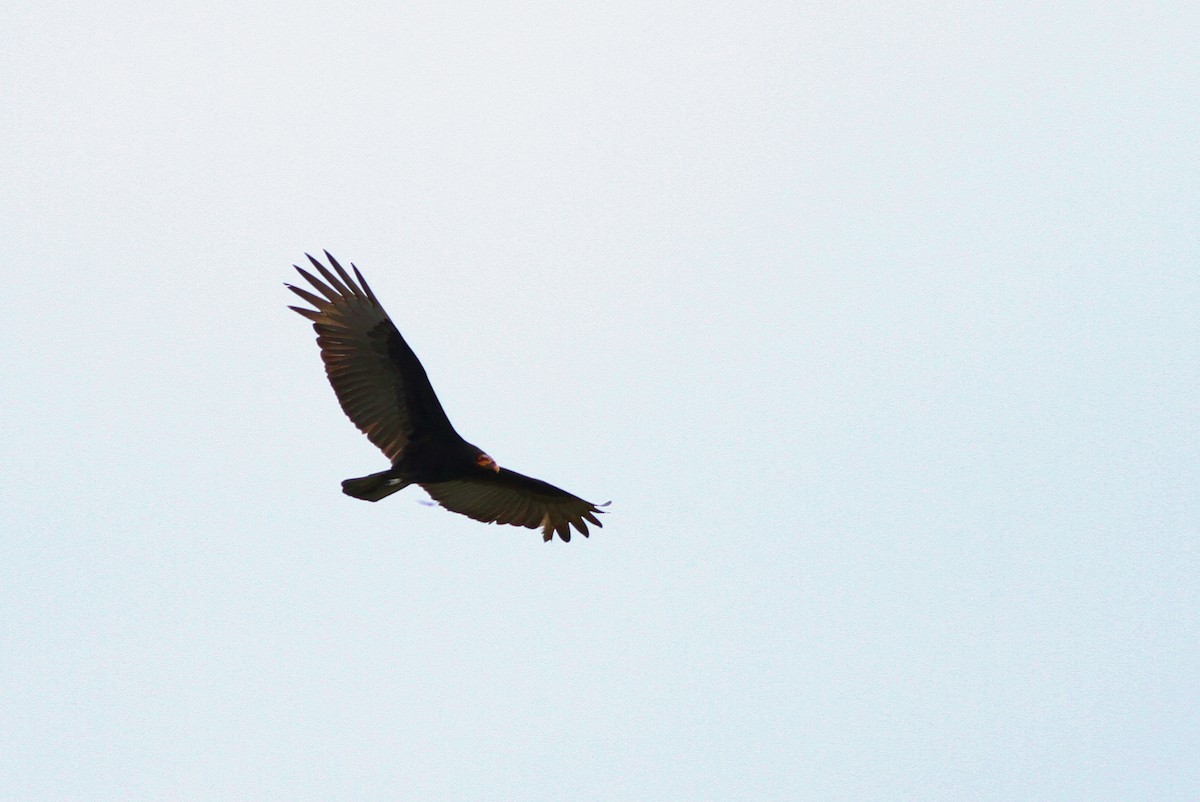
880 326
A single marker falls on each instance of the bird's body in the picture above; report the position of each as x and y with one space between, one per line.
384 390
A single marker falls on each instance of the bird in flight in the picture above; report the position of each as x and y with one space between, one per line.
383 389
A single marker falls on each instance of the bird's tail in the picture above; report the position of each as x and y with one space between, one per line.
374 487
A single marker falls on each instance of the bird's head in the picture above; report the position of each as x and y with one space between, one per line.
484 461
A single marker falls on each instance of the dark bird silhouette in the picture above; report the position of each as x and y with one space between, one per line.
384 390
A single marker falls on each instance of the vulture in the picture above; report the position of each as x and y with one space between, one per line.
383 389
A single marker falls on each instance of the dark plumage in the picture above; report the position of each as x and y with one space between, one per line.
384 390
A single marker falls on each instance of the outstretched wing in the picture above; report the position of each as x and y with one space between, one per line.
379 382
507 497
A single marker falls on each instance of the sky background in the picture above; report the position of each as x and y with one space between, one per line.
879 324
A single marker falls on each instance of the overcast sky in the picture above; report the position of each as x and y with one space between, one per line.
879 324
